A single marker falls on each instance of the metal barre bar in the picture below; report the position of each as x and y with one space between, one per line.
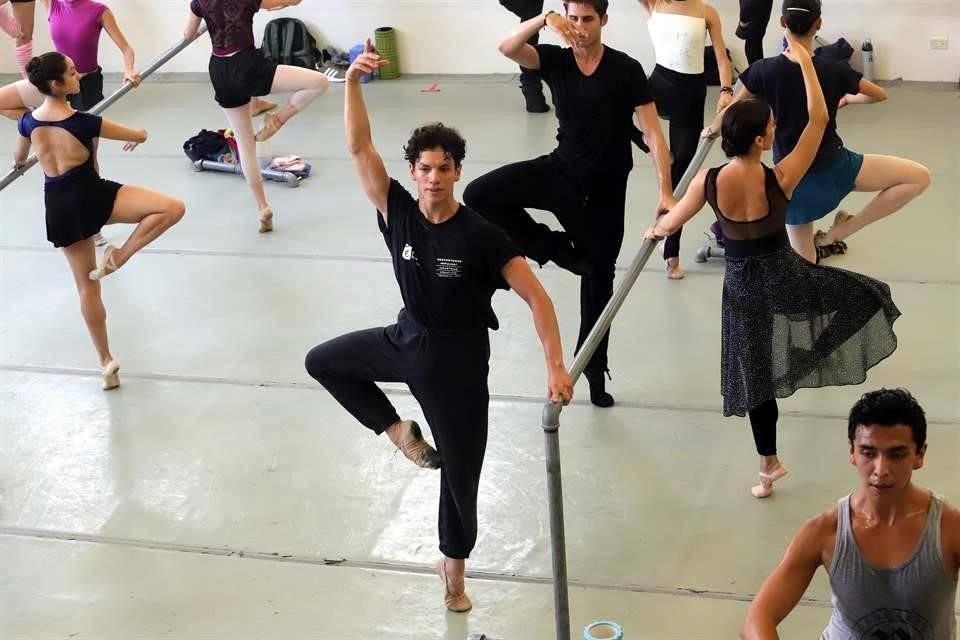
109 100
646 249
550 421
551 412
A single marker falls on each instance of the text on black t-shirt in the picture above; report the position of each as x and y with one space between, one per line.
447 272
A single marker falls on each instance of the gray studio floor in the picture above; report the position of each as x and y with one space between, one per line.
221 493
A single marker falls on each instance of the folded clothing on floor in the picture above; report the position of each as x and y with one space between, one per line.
293 164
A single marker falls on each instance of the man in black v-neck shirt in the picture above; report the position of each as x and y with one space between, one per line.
596 91
448 261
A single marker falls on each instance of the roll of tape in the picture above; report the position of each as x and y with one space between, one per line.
603 630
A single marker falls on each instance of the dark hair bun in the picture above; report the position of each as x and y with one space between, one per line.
44 69
743 121
729 148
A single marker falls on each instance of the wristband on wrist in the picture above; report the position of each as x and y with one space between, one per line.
726 90
547 15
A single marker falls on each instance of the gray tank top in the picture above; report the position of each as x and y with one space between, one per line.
914 601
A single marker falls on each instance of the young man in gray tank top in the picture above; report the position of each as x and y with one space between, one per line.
891 548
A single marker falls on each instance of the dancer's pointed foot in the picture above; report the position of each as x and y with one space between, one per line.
271 124
111 375
765 488
674 272
408 437
266 220
106 266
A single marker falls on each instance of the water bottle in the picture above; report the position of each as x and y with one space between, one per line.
866 57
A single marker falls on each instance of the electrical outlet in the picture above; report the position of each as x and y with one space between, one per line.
939 43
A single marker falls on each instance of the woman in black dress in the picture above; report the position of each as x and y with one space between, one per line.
786 323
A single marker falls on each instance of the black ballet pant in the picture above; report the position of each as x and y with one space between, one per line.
526 9
763 423
680 98
590 210
91 91
754 16
447 373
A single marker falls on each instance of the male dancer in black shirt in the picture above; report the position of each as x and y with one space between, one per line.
448 262
596 91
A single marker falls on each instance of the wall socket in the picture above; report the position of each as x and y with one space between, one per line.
939 43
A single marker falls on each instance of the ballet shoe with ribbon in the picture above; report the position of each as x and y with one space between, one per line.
765 488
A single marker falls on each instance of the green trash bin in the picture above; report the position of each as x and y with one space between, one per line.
385 39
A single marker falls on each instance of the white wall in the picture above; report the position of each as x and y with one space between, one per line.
460 36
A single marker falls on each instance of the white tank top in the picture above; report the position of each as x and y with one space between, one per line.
678 41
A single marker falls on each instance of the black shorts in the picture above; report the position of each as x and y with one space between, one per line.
91 91
78 205
239 77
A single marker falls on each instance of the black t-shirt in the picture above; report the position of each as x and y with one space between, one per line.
780 81
595 111
447 272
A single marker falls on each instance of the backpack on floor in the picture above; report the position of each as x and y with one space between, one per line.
711 70
288 41
205 145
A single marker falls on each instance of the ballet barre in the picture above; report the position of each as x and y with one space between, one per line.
109 100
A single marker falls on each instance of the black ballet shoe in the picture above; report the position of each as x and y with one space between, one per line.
565 255
568 257
598 392
533 95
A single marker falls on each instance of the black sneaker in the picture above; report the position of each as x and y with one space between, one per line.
598 392
533 94
568 257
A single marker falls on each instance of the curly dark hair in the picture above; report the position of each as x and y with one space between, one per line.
886 408
435 135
